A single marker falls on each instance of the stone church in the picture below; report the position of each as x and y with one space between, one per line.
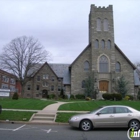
101 56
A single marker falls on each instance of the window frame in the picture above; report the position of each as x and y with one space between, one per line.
118 67
103 64
98 24
86 66
103 43
96 44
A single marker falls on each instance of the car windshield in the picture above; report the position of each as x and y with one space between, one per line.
93 111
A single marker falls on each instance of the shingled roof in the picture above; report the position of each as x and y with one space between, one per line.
62 70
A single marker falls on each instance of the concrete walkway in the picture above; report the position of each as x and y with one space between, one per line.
52 108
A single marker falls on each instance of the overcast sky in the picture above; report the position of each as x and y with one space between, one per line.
62 25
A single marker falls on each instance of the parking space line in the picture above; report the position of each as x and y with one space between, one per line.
49 131
5 129
19 127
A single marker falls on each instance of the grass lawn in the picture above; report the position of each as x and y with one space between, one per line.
64 117
91 105
15 115
33 104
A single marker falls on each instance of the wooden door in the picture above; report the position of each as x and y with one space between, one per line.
103 86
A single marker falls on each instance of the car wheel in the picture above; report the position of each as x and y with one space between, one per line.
135 124
86 125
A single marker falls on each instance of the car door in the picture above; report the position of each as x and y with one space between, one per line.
104 118
122 116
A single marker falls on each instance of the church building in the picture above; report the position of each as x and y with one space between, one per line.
101 56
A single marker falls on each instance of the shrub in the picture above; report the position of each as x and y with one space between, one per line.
88 98
62 95
107 96
130 97
126 98
118 96
113 96
51 96
72 96
138 95
15 96
80 96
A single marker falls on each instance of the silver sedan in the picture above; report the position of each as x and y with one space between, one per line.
107 116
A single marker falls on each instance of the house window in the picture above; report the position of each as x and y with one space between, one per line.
109 44
96 44
45 84
59 88
28 95
103 64
83 84
86 66
28 87
12 88
37 95
38 78
52 88
105 24
4 86
98 24
5 79
103 43
52 78
12 81
59 79
37 87
45 76
118 67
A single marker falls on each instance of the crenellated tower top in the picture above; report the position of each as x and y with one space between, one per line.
102 9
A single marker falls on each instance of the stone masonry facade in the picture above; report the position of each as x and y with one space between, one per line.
102 56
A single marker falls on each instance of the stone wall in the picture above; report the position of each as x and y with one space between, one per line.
78 74
44 84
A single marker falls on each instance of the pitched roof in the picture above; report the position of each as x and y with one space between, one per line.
38 67
61 70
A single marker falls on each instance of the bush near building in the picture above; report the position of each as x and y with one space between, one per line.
113 96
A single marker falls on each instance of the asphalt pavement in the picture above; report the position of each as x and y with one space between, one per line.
15 131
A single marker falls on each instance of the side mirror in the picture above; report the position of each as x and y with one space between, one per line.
98 113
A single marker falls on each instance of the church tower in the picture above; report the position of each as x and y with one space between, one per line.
101 38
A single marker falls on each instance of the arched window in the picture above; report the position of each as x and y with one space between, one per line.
98 24
109 44
96 44
83 84
105 24
103 64
103 44
86 66
118 67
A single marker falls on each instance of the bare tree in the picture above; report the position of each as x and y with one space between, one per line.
21 56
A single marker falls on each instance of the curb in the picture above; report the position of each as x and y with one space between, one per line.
24 122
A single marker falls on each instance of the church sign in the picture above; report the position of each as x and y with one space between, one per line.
4 92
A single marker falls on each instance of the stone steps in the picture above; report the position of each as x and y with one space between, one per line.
43 117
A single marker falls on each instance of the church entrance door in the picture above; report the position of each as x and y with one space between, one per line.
44 93
103 86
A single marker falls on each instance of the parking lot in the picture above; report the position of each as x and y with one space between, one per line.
9 131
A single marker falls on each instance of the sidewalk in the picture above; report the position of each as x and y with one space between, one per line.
50 109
